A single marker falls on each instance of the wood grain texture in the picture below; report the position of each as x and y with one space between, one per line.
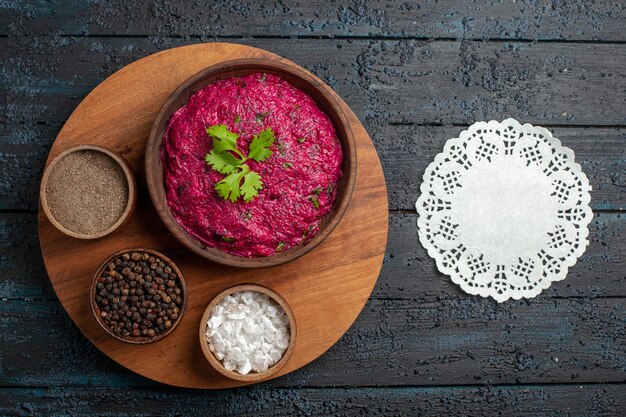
404 150
417 329
535 400
541 19
326 289
545 84
453 340
400 81
408 273
58 51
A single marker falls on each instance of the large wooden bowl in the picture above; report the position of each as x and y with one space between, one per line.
301 79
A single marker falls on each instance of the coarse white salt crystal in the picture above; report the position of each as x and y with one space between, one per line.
227 328
236 316
267 323
248 331
243 343
236 355
260 362
282 342
246 297
215 322
275 354
254 307
271 311
245 368
249 325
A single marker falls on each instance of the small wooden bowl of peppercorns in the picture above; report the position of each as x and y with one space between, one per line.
138 296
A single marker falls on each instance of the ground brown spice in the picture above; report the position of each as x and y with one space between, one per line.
87 192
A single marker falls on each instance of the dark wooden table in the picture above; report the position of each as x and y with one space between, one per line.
416 73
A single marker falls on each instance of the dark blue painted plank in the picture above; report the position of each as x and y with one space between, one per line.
22 273
573 19
408 272
397 81
447 340
405 152
45 78
418 329
538 401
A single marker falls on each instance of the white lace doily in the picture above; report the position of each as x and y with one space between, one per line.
504 210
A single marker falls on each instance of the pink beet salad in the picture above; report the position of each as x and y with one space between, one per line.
251 165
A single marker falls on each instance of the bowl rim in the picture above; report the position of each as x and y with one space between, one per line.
157 188
141 340
252 376
130 181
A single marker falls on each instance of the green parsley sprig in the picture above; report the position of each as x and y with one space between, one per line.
227 159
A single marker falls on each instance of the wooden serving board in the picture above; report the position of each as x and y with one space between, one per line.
327 288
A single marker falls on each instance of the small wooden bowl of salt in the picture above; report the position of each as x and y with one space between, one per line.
88 191
248 332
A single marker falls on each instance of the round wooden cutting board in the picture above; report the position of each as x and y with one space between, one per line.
327 288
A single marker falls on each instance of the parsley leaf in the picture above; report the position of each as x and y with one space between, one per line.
260 145
224 163
227 159
228 188
223 139
252 183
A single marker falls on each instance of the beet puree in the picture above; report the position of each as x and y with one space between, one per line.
299 178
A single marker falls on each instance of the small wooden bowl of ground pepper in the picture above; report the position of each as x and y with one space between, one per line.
138 296
88 191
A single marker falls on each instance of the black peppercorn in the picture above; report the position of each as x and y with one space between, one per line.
138 295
